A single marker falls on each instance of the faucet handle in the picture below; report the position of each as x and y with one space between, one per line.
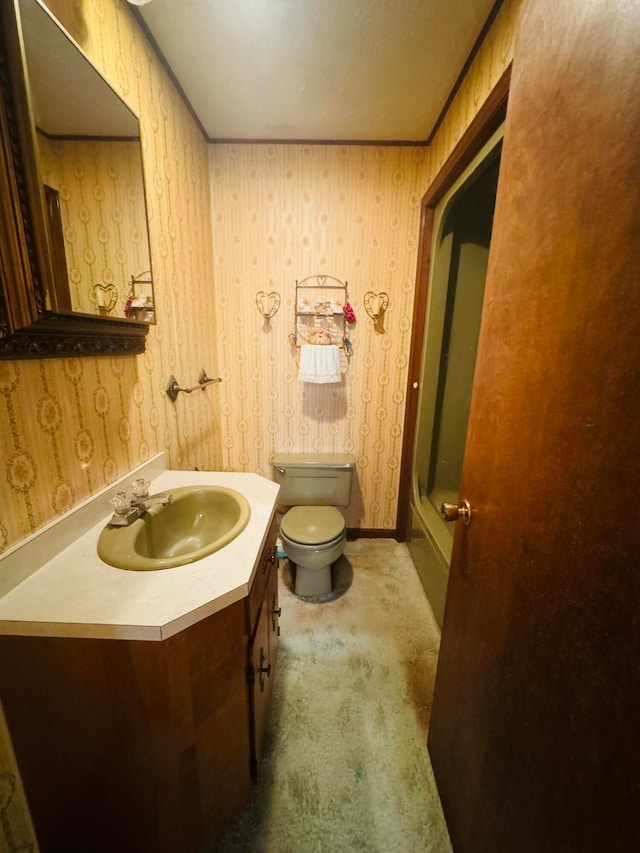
140 488
121 503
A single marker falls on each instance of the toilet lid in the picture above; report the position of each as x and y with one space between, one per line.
312 525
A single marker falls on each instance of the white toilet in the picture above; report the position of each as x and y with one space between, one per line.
313 531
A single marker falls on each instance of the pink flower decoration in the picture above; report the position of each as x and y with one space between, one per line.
349 313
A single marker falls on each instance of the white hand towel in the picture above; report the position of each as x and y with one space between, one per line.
320 364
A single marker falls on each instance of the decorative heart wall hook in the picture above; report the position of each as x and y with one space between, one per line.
375 304
268 303
106 296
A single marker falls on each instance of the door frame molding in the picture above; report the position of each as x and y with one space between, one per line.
490 116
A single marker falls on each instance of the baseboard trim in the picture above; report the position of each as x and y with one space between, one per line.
370 533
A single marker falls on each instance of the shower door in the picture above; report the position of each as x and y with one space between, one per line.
460 270
459 257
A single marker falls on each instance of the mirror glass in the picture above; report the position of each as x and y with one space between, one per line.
90 166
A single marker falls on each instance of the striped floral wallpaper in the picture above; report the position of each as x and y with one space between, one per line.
495 54
283 212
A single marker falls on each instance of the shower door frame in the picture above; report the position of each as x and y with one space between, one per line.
488 119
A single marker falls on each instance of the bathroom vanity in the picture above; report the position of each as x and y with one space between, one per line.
143 735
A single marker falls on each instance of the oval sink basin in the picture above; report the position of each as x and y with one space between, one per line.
199 521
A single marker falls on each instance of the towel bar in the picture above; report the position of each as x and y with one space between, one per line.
173 389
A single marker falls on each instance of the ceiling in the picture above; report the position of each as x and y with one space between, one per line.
333 70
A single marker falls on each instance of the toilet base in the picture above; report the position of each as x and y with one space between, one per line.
316 581
313 563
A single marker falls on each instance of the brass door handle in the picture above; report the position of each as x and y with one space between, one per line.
453 512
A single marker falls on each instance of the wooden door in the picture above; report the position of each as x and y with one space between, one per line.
536 716
60 297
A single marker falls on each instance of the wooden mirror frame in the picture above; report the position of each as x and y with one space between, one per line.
29 328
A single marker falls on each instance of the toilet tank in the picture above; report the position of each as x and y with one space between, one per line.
313 479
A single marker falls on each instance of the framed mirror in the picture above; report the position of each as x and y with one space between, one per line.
76 273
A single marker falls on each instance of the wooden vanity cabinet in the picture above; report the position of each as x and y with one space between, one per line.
141 745
263 615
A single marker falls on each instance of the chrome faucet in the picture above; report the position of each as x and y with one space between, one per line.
129 507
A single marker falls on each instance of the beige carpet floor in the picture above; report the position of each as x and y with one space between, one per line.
346 766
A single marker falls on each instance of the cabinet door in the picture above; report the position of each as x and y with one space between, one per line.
272 600
261 679
263 653
263 616
267 562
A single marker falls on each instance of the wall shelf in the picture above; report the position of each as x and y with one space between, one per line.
318 315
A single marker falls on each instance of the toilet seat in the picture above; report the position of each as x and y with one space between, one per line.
313 525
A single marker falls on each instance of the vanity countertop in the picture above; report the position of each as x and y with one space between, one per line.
76 594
